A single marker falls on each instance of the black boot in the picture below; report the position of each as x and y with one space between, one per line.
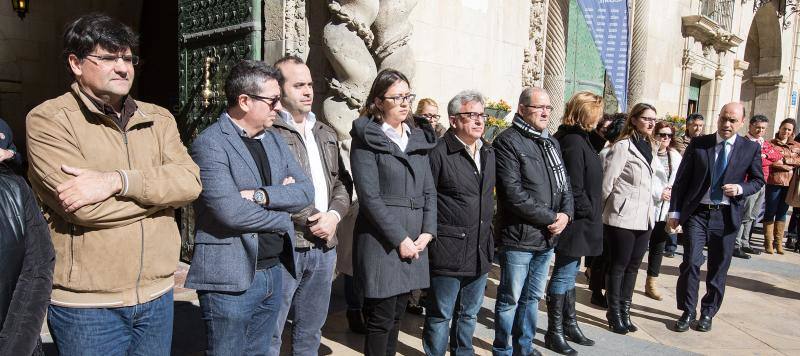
613 288
599 299
628 284
554 339
571 330
355 321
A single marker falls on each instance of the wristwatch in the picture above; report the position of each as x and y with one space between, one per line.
260 197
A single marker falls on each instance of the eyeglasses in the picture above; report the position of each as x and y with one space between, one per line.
540 107
269 101
400 99
648 119
478 117
111 59
431 116
664 135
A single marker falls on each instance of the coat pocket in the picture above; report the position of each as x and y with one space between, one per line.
447 252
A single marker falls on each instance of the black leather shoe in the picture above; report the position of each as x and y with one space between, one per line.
685 321
704 324
599 300
669 254
751 251
739 253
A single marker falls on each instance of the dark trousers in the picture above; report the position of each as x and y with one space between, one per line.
716 229
658 241
597 280
626 250
382 318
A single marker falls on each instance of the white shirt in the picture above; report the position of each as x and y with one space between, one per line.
477 157
242 131
314 159
759 140
707 196
400 140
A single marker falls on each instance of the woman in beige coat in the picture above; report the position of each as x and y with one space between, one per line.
628 211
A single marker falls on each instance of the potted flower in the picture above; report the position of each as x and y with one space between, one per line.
678 122
494 126
498 109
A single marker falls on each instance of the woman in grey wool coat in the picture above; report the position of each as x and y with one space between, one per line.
397 216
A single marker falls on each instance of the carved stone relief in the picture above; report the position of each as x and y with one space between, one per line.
533 62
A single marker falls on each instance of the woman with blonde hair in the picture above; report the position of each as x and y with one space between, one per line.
428 110
628 211
584 235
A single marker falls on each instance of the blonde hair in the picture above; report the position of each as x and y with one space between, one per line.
584 109
423 103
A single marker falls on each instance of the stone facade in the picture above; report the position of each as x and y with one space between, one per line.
496 47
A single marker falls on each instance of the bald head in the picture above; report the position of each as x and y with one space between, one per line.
734 107
525 98
731 119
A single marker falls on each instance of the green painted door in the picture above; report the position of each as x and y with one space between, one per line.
213 36
585 70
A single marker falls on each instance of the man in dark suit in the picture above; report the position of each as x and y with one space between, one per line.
707 200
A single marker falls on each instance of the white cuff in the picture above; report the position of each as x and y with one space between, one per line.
675 215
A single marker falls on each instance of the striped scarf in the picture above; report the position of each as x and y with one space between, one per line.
552 158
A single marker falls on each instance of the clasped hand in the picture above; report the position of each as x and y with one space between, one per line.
409 249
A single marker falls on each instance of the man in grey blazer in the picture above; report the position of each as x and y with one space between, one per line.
251 185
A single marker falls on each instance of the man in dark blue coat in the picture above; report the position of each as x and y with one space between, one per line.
251 184
717 172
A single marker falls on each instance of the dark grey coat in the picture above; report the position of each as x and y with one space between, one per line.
397 200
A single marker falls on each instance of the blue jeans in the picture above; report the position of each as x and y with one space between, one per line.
465 295
775 206
309 296
564 272
672 243
523 275
143 329
242 323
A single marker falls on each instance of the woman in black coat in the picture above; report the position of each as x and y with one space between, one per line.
397 215
584 235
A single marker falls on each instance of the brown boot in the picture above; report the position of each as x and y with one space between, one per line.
779 225
651 288
769 234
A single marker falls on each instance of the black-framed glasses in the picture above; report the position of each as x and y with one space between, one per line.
431 116
111 59
269 101
541 107
475 116
400 99
664 135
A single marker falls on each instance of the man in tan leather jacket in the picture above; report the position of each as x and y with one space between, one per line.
109 171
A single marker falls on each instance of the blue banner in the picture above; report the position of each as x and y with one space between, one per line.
608 23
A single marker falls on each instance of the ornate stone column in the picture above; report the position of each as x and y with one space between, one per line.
686 78
286 30
533 62
739 66
555 58
638 55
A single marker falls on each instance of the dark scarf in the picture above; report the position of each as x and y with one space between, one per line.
552 158
643 145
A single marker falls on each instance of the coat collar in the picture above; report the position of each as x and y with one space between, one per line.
89 105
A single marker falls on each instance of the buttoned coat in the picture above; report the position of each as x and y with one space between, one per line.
628 188
226 241
397 200
584 235
465 206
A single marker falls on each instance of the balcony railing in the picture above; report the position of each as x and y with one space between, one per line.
719 11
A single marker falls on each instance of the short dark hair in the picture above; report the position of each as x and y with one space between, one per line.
758 118
615 129
83 34
385 79
289 58
247 77
694 117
